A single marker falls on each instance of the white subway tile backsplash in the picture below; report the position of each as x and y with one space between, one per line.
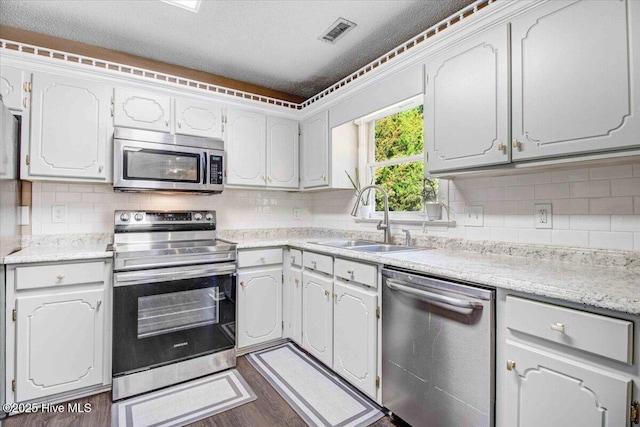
625 187
518 221
636 169
522 192
625 223
589 189
590 222
478 233
559 190
504 207
495 193
611 240
501 181
570 238
80 188
504 234
94 197
561 222
536 236
636 205
570 175
48 187
534 178
608 172
68 197
611 205
570 206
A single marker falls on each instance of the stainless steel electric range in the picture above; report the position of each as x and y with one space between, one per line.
174 300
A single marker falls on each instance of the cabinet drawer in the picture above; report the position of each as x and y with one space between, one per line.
356 272
296 257
317 262
593 333
258 257
43 276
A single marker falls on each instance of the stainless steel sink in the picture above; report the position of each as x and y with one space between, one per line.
366 246
379 248
345 243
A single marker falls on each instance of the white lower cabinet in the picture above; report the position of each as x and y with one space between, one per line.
58 330
548 390
355 335
59 342
561 366
317 316
259 306
259 302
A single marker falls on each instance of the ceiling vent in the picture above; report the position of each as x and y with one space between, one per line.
337 30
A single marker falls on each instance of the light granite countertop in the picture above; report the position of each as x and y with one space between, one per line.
613 288
599 283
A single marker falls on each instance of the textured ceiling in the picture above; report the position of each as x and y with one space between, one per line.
269 43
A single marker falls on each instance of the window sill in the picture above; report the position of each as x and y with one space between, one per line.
409 221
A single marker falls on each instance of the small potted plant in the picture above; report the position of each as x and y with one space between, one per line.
365 201
433 208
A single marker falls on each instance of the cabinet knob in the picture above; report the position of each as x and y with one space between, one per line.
242 284
100 168
324 177
297 281
166 122
180 124
516 143
264 178
262 258
327 293
98 305
60 276
24 102
558 327
313 263
293 259
350 272
511 365
269 178
502 147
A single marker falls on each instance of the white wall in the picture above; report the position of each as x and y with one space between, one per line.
90 207
597 207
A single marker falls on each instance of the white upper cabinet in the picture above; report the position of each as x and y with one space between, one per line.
70 134
197 118
466 109
142 110
315 151
245 148
14 87
282 153
576 72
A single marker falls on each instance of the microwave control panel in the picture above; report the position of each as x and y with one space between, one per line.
215 170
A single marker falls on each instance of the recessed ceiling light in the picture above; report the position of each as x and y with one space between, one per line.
192 5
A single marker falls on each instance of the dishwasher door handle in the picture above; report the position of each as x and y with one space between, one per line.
430 296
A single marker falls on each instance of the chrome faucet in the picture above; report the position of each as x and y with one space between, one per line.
381 226
407 236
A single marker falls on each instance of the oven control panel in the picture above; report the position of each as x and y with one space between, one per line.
158 218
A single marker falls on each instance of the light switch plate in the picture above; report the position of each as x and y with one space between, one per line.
474 216
542 217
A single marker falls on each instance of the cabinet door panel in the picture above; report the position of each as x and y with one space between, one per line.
282 153
59 343
142 110
70 130
245 146
317 317
315 151
259 306
296 305
575 74
12 87
354 336
198 118
548 390
467 104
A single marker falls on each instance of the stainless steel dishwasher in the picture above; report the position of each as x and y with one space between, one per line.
438 344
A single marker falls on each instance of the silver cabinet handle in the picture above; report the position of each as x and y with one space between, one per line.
350 272
60 276
511 365
98 305
516 143
166 122
180 124
502 147
558 327
443 299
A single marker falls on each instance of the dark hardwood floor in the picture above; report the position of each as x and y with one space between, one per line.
268 410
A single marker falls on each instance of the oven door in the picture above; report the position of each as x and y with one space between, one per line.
166 315
155 166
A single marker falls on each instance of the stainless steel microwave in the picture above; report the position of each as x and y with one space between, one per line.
156 161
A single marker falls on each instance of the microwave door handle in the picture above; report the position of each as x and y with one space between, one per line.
204 168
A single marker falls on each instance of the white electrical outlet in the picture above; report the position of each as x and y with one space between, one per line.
542 216
296 213
59 213
473 216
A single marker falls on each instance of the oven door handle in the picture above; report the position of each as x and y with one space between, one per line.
174 275
430 296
